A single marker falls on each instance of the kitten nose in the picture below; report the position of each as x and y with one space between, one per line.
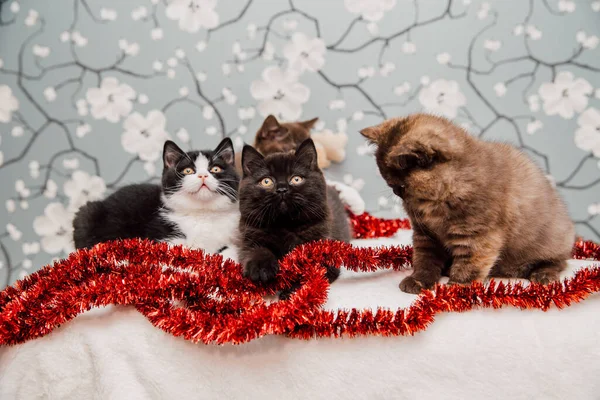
281 190
203 176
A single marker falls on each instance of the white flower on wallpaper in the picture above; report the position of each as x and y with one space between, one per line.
8 103
145 136
108 14
442 97
587 41
280 93
111 101
492 45
32 18
193 14
567 6
305 53
246 113
40 51
566 95
130 49
533 32
83 187
370 10
55 228
500 89
78 39
366 149
587 137
14 232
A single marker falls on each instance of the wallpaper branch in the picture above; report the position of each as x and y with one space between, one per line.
90 90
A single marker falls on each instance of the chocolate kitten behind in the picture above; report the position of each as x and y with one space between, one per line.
284 202
275 137
279 137
482 209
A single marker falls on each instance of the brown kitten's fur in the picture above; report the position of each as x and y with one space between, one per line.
480 209
275 137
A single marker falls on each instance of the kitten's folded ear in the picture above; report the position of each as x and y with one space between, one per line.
407 159
225 151
309 124
171 154
372 133
251 159
306 154
271 128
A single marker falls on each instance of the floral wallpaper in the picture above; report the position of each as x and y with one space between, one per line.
90 90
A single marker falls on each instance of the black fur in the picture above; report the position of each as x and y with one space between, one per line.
274 221
134 211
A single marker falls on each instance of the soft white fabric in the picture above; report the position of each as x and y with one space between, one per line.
349 196
485 354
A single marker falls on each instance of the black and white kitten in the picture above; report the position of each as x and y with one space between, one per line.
196 206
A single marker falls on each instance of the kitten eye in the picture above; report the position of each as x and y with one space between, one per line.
188 171
216 169
266 183
296 180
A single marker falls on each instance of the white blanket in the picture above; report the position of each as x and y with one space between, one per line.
115 353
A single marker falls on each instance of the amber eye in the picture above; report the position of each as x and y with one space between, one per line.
216 169
266 183
296 180
188 171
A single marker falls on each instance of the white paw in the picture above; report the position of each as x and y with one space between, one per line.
230 253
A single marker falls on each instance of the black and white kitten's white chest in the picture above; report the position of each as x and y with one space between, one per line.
208 230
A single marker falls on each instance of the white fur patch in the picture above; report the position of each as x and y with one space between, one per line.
207 219
201 164
209 230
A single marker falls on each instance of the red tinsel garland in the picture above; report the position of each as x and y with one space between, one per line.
223 307
366 226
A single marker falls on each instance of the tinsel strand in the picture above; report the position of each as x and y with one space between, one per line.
197 296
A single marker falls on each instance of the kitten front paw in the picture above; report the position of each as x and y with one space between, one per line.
411 285
544 277
332 274
263 269
456 283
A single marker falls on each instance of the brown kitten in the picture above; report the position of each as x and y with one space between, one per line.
480 209
275 137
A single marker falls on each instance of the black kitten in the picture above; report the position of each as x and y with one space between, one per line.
284 202
195 206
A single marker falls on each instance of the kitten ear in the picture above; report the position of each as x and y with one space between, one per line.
225 151
270 128
309 124
407 159
251 159
372 133
171 154
306 154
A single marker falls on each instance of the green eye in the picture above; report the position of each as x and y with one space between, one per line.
266 183
296 180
